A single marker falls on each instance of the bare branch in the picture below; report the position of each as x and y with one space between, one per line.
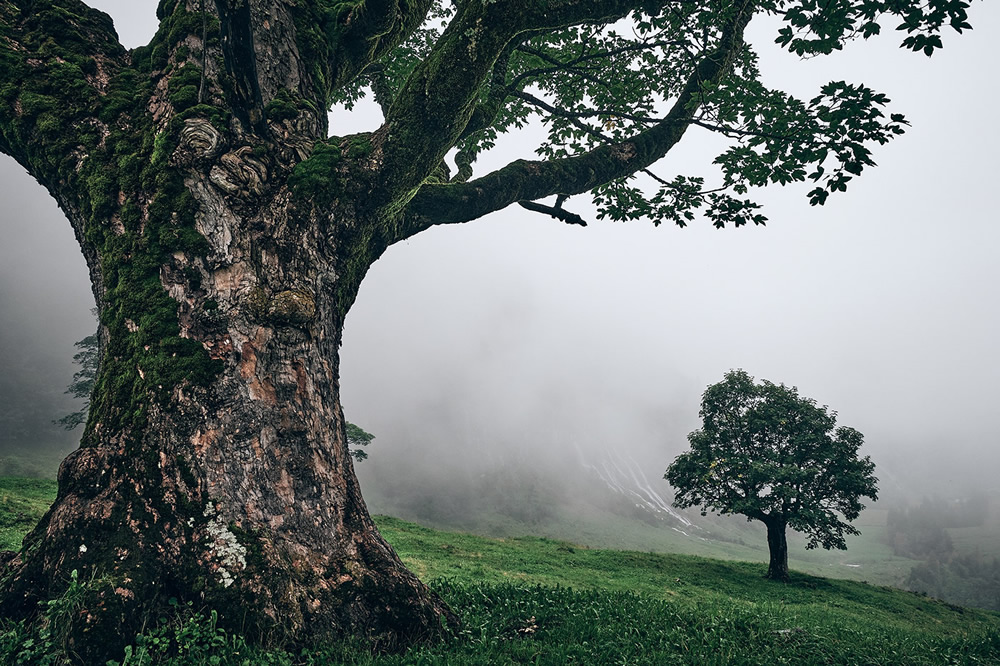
556 211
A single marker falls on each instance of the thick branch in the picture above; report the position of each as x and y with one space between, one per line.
532 180
437 102
367 31
487 110
43 125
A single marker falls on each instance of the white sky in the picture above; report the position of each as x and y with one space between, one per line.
883 304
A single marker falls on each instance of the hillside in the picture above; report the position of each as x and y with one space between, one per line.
537 600
611 502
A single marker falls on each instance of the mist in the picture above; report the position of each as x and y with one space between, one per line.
517 337
517 344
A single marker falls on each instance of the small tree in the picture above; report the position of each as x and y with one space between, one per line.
357 437
768 454
88 358
83 381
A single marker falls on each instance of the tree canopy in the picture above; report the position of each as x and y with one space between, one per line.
617 83
357 438
771 455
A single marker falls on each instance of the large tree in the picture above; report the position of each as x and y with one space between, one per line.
226 233
769 454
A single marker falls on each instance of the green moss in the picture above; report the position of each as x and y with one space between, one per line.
102 191
282 107
145 357
316 176
316 28
158 57
182 23
182 91
121 98
217 116
359 146
33 104
49 125
119 171
165 8
184 97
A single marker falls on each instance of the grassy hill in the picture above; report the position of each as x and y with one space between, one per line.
540 601
867 559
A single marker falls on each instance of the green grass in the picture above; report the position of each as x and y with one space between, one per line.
532 600
867 559
22 503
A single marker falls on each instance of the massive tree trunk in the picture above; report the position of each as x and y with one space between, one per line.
777 545
236 493
226 237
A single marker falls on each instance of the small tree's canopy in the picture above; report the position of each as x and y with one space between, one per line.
769 454
358 437
83 380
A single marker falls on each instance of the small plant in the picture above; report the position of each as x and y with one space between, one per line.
46 642
189 637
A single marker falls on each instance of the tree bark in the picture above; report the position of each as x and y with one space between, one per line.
777 568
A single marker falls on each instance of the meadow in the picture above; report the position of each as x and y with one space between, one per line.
533 600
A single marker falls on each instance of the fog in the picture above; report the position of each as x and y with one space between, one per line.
517 340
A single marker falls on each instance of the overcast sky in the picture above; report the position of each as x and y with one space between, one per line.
883 304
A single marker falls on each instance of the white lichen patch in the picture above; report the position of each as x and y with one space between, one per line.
225 547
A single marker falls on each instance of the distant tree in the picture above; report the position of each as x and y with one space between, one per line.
357 438
768 454
88 358
83 381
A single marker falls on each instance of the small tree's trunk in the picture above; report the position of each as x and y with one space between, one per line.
777 569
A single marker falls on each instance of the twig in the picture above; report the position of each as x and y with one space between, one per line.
555 211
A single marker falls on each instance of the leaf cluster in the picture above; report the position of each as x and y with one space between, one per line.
816 27
780 139
603 84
